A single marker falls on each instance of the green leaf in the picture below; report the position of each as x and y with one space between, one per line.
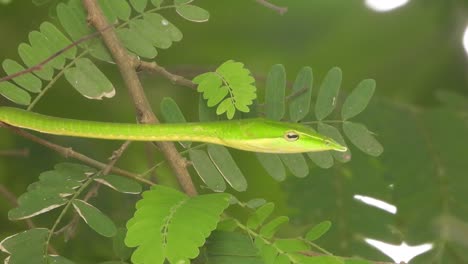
193 13
114 9
358 100
54 259
275 92
255 203
28 81
207 171
273 165
296 164
182 2
164 26
334 133
226 106
267 251
43 49
260 215
362 138
118 244
51 191
139 5
323 159
72 16
271 227
328 94
27 247
205 114
291 245
300 104
57 41
231 86
164 224
208 83
226 165
318 231
99 51
153 33
227 225
120 184
32 56
98 221
230 248
89 80
136 42
172 114
157 3
14 93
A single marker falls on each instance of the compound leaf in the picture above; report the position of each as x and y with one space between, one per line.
230 87
51 191
26 247
163 224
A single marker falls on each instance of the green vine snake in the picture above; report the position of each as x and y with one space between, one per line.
258 135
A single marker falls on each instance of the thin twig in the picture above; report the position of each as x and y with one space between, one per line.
127 65
176 79
70 153
23 153
280 9
41 64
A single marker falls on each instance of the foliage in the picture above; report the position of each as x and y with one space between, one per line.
231 79
57 188
163 225
141 34
169 226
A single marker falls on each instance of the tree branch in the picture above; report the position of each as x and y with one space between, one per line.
127 65
280 9
23 153
176 79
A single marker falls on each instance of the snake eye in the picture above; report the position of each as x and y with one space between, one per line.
291 136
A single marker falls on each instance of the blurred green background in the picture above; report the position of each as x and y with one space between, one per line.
412 52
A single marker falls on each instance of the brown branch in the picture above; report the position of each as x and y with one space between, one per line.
176 79
23 153
70 153
127 65
280 9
